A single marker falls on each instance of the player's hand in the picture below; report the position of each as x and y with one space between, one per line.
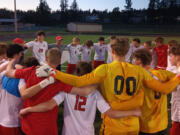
45 70
50 80
23 112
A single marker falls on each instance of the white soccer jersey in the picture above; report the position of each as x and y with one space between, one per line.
86 54
74 52
170 67
79 112
10 106
109 59
100 52
38 49
132 49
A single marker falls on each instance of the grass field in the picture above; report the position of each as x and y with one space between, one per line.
68 39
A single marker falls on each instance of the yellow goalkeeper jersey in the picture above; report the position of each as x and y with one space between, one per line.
154 110
120 84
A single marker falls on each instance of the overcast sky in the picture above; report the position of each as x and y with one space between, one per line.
83 4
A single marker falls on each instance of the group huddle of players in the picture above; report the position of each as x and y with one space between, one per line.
130 91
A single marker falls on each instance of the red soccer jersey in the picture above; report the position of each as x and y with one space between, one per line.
162 53
40 123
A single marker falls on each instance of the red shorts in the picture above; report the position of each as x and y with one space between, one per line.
175 129
71 68
10 131
97 63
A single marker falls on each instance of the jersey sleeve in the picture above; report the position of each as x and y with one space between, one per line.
97 76
131 104
30 44
23 73
21 83
158 86
102 105
59 98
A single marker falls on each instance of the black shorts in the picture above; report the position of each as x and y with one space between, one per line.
164 132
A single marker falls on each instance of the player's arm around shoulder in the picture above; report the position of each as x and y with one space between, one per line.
84 91
157 85
43 107
104 108
97 76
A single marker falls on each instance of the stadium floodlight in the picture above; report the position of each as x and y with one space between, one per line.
15 18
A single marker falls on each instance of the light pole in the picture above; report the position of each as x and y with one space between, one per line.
15 18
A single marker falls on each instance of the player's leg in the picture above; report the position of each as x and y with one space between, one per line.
175 129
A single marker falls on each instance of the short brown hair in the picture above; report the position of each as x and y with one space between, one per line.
137 40
113 37
54 56
159 40
89 43
76 39
3 48
120 46
83 68
30 61
40 33
149 43
175 50
144 55
173 43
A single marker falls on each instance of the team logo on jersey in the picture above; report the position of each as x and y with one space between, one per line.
40 50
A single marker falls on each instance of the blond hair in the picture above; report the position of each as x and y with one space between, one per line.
54 56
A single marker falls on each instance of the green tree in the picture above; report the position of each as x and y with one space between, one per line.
43 13
64 5
128 5
74 5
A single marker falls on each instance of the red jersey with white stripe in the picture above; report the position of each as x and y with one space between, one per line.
40 123
80 111
162 54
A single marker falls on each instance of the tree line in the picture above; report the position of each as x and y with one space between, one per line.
158 12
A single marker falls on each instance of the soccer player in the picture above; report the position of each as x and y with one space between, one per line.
10 101
154 120
60 46
20 42
39 46
148 45
80 111
174 57
100 51
74 52
162 52
86 51
135 45
172 43
119 82
42 123
109 57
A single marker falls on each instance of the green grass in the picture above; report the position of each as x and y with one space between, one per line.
68 39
